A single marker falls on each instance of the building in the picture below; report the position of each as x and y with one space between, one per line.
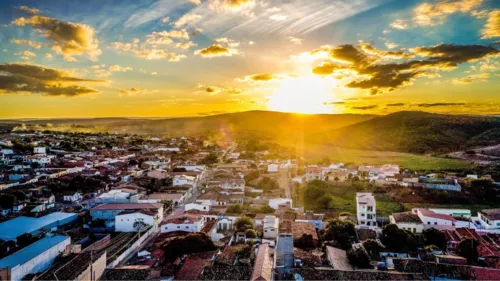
407 221
158 174
300 229
313 172
197 206
431 219
366 210
270 227
490 218
34 258
39 150
283 257
263 266
9 230
183 180
337 258
273 168
108 212
72 197
453 212
185 222
276 202
135 220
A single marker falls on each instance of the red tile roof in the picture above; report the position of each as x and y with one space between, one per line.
193 266
128 206
263 267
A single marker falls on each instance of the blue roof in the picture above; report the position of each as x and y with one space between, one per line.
31 251
10 229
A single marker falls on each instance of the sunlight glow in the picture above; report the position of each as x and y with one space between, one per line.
304 94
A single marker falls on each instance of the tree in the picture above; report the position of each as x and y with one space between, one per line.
267 184
191 243
314 190
7 201
359 257
35 165
373 248
468 249
340 231
211 158
435 237
251 233
234 209
398 240
243 223
304 242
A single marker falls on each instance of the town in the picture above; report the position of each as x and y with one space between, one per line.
101 206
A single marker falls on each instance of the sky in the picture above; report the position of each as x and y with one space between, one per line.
172 58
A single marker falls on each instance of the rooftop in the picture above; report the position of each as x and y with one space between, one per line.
491 214
406 217
128 206
338 258
24 255
263 267
10 229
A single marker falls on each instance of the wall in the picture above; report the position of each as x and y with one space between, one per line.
98 268
125 223
132 248
188 227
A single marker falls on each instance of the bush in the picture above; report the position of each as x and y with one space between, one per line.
359 257
373 248
192 243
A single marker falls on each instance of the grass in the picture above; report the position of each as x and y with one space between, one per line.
315 153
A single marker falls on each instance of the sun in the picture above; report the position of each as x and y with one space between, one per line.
303 94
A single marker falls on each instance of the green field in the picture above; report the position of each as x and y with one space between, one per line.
314 153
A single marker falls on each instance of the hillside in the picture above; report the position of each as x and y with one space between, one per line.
415 132
262 124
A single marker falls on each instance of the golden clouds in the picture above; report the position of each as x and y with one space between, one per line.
492 27
214 90
364 61
216 50
145 50
67 38
187 19
29 78
28 10
427 14
480 77
399 24
259 78
30 43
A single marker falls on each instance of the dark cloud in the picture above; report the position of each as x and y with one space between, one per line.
365 107
441 104
376 77
395 104
262 77
35 79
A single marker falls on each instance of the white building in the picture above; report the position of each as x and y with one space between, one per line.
39 150
366 210
273 168
452 212
185 222
72 197
34 258
197 206
183 180
490 218
431 219
313 172
135 220
270 227
275 202
407 221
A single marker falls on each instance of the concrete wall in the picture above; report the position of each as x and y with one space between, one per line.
98 268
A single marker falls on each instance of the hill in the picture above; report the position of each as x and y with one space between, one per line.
415 132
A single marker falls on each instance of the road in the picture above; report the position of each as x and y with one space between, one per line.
284 182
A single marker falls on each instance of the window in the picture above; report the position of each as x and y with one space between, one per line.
187 227
435 223
178 226
414 230
428 222
265 230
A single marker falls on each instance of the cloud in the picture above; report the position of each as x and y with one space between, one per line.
390 45
244 7
165 19
370 74
278 17
30 78
440 104
26 55
365 107
185 45
67 38
295 40
187 19
399 24
144 51
216 50
214 90
117 68
259 78
132 91
196 2
48 56
427 14
196 31
492 27
30 43
396 104
482 77
28 10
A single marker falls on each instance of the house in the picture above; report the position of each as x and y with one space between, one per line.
185 222
183 180
490 218
135 220
72 197
263 266
34 258
299 229
407 221
270 227
108 212
366 210
176 198
276 202
194 265
283 257
313 172
197 206
39 150
273 168
158 174
452 212
315 219
431 219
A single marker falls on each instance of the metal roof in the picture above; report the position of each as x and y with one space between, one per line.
10 229
24 255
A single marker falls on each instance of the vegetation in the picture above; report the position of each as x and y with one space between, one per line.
398 240
211 158
340 232
358 257
191 243
243 223
434 237
267 184
373 248
468 249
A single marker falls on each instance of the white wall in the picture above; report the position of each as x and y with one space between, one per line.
125 223
273 203
195 206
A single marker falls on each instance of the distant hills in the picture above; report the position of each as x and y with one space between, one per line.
406 131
